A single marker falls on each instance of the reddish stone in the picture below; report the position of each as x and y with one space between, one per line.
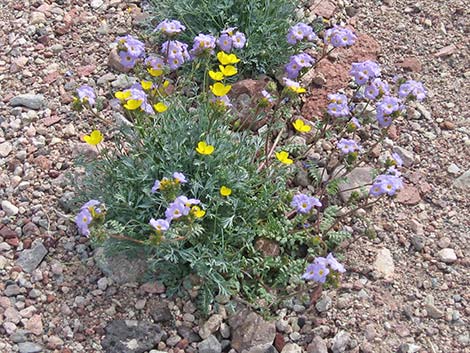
43 162
279 342
323 8
410 64
51 77
183 343
393 133
7 233
50 298
409 195
153 287
446 51
51 120
13 241
86 70
447 125
27 243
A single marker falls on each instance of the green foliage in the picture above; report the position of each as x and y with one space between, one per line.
264 22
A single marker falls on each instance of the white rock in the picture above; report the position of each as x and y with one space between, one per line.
5 148
96 3
9 208
447 255
384 263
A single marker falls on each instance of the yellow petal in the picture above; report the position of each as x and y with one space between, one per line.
160 107
94 138
219 89
133 104
204 148
197 212
283 157
232 59
300 126
155 73
122 95
146 85
216 75
225 191
228 70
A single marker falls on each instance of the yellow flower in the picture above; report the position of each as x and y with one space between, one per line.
197 212
220 89
155 73
133 104
122 95
160 107
204 148
297 90
216 75
146 85
227 59
283 157
94 138
225 191
228 70
300 126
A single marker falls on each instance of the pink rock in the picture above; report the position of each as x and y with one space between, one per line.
323 8
34 325
409 195
153 287
410 64
446 51
86 70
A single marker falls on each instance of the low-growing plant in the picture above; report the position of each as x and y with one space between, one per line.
264 22
206 198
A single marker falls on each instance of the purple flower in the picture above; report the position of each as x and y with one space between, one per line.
386 184
384 120
339 37
304 203
297 63
316 272
225 42
160 225
176 210
86 94
187 202
156 186
170 27
135 48
292 70
334 264
397 159
364 71
299 32
180 177
356 123
412 89
388 105
155 62
177 53
203 43
338 98
82 220
127 60
376 89
238 40
348 146
338 110
266 95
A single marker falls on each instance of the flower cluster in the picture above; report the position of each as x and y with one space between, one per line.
297 63
299 32
338 106
86 95
318 270
130 49
347 146
170 28
376 89
304 203
226 69
165 183
293 86
339 37
412 90
386 108
91 211
386 184
135 98
155 65
231 38
203 44
176 53
365 71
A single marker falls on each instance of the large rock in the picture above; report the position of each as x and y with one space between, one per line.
210 326
130 336
356 179
30 347
463 181
119 267
210 345
317 345
340 342
30 259
250 329
28 100
384 263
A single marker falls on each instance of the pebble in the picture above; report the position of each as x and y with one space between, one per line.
409 348
384 263
30 259
30 347
102 283
418 242
210 345
12 290
32 101
140 304
324 303
453 169
340 342
447 255
5 149
408 157
9 208
317 345
210 326
96 3
291 348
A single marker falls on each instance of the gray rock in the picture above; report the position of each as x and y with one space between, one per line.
302 178
407 156
384 263
119 267
173 340
409 348
463 181
30 259
32 101
418 242
210 345
261 348
324 303
447 255
453 169
250 329
5 149
11 290
160 312
356 179
30 347
129 336
102 283
340 342
9 208
210 326
291 348
317 345
96 3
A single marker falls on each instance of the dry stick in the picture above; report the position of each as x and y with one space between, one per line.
276 141
123 237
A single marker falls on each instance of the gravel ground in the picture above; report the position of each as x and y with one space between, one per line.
405 290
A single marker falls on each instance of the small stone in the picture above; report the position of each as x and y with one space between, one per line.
384 263
102 283
140 304
340 342
291 348
12 315
173 340
224 330
411 64
407 156
12 290
408 195
418 242
210 345
32 101
30 347
210 326
37 17
9 208
282 325
324 303
30 259
96 3
34 325
453 169
317 345
446 51
447 255
409 348
5 149
54 342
